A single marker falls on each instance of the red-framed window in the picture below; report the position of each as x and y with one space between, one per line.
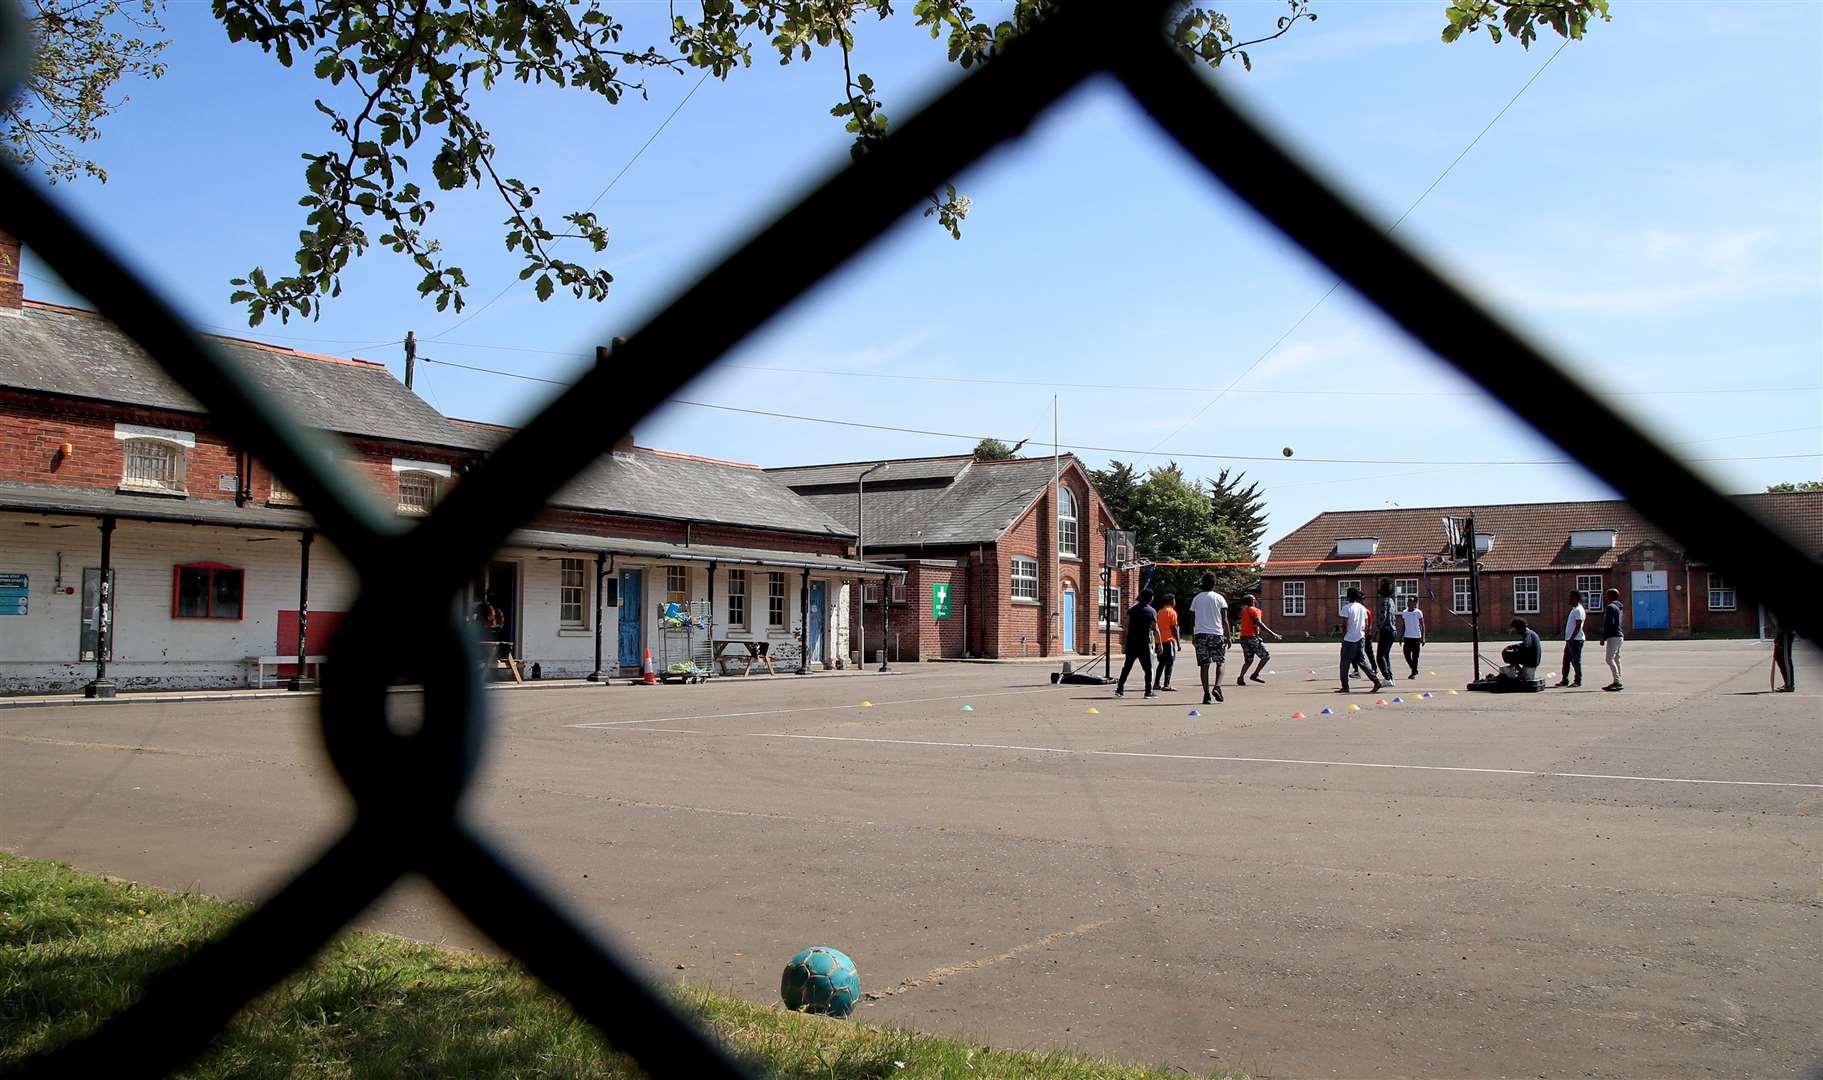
207 591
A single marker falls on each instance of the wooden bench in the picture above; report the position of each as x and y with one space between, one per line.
261 663
751 652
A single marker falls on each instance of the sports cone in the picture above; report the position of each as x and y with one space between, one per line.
1452 693
867 704
650 678
1354 708
1093 711
1398 701
1193 712
1297 716
1326 712
1382 701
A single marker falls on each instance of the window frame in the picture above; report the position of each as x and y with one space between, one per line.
676 574
737 599
210 570
180 463
1536 592
898 590
433 484
1461 590
778 602
1401 593
1718 585
1068 525
1015 578
576 594
277 494
1287 595
1106 614
1591 596
1342 587
870 593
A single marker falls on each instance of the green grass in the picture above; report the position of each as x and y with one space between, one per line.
75 947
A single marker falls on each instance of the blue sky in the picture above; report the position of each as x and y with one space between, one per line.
1651 209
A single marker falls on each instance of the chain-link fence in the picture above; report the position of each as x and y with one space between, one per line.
408 789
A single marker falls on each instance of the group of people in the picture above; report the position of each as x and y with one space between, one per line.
1153 631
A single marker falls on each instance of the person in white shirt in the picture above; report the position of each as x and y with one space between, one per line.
1208 613
1573 637
1411 637
1354 638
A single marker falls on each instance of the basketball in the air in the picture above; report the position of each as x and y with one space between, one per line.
821 980
1286 451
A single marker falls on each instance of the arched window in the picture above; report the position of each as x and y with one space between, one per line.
1066 522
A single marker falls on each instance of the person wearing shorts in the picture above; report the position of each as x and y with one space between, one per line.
1209 610
1252 623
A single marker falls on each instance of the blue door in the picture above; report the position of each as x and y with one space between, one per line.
630 656
1651 611
816 621
1651 601
1069 620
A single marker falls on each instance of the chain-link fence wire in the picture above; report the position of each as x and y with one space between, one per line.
408 789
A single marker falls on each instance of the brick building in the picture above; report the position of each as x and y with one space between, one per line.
1532 555
1020 567
111 471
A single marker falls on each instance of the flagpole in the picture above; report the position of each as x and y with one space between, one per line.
1056 522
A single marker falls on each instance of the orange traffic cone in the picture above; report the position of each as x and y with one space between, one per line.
650 678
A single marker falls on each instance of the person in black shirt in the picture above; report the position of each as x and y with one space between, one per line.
1612 638
1523 656
1141 618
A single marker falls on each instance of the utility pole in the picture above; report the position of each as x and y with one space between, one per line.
411 356
1056 522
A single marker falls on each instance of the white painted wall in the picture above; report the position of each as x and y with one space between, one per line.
39 652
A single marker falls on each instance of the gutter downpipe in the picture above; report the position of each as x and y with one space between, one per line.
861 557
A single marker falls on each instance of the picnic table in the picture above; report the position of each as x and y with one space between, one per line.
747 653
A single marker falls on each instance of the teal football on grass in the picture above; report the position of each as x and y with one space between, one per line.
821 980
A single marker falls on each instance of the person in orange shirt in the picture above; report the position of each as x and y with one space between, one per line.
1167 639
1253 624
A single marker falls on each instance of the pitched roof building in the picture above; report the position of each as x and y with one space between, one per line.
200 595
998 565
1531 556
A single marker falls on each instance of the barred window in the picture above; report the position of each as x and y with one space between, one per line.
775 599
1293 598
572 595
737 598
417 492
1025 578
153 465
1525 596
1721 593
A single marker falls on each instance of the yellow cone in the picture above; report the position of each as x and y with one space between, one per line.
867 704
1452 693
1093 711
1354 708
1433 674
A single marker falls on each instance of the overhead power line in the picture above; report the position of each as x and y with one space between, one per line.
1447 169
977 437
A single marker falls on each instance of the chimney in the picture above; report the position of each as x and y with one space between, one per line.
12 293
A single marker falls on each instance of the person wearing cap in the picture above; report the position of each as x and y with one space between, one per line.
1354 639
1252 623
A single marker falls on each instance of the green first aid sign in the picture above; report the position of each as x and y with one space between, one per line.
939 601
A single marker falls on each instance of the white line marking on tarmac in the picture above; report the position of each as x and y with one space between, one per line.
815 708
1250 760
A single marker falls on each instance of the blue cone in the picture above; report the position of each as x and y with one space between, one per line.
1193 712
1326 712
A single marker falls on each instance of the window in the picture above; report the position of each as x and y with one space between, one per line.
1590 587
206 591
870 593
1294 598
1342 588
1402 589
572 595
281 495
899 590
1066 522
1025 579
1525 596
1110 605
775 600
737 598
1461 601
153 465
417 492
677 585
1721 594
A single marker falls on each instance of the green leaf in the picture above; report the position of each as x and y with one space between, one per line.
545 287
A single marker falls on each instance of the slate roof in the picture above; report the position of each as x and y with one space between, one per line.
655 483
982 500
848 473
1527 536
76 353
